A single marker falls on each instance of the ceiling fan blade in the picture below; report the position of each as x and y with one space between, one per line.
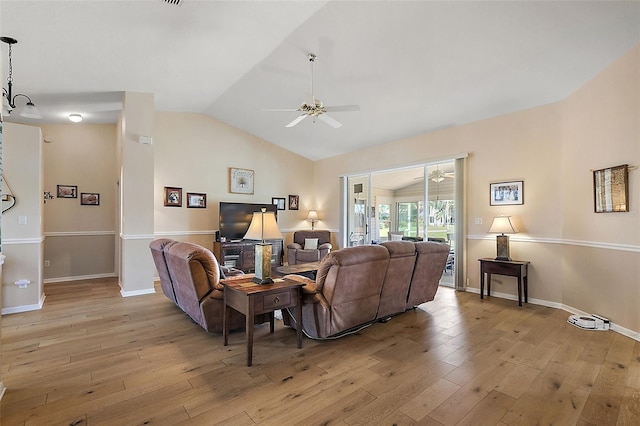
281 109
297 120
340 108
330 121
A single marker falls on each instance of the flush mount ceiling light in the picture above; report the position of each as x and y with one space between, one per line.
9 101
76 118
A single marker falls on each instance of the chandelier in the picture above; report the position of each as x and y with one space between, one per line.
9 101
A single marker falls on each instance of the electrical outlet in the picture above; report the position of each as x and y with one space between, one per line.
22 220
47 263
478 221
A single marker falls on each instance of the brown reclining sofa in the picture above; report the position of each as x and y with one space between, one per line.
356 286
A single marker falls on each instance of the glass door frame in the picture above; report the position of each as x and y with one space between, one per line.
460 209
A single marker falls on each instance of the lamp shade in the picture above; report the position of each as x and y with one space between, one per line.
502 225
263 227
30 111
313 215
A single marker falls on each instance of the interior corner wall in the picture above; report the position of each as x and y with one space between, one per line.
79 239
601 128
22 233
136 274
194 152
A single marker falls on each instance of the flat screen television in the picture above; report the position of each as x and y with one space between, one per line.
236 217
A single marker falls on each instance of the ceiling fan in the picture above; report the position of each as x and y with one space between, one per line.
314 107
438 175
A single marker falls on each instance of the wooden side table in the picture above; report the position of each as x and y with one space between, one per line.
251 299
512 268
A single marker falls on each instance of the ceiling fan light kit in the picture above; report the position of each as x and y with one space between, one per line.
315 108
9 102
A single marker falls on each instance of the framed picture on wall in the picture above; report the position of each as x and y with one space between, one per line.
89 199
280 202
67 191
172 196
196 200
294 202
506 193
240 181
611 189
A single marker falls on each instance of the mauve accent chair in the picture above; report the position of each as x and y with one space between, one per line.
296 252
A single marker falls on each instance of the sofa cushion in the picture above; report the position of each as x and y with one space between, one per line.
310 243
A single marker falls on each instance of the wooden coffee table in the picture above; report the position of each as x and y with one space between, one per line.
251 299
300 268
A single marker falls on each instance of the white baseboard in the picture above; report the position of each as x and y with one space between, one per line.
614 327
24 308
137 292
79 278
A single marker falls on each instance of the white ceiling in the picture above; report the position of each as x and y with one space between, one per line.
413 67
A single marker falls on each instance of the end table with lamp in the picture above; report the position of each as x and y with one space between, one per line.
503 264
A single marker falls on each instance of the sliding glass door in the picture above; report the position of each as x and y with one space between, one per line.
416 203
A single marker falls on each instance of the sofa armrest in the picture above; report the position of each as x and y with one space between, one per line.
325 246
230 272
309 286
294 246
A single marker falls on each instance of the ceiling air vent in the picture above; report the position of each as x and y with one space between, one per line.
174 2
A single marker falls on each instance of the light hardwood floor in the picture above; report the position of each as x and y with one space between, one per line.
91 357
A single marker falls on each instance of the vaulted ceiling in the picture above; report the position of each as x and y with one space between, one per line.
413 67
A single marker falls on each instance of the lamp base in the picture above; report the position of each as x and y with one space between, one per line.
263 264
503 258
502 246
261 281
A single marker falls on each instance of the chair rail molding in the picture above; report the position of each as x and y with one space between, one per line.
592 244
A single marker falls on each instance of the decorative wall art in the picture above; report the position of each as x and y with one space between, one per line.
506 193
196 200
172 196
280 202
89 199
611 189
67 191
240 181
294 202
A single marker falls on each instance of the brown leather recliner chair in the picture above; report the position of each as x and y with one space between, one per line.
346 291
298 253
157 251
430 260
195 276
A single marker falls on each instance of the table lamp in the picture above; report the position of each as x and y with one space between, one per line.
263 226
312 217
502 225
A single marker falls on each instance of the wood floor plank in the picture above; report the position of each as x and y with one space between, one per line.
489 411
90 356
426 401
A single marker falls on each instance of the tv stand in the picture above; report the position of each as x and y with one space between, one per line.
242 254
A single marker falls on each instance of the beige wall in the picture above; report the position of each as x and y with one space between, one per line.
22 243
79 239
194 152
552 148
